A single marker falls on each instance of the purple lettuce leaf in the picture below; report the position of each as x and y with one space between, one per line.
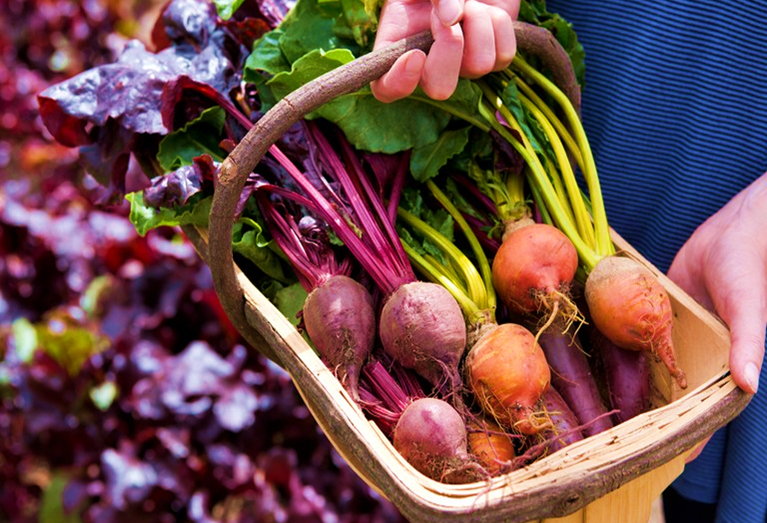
107 109
175 188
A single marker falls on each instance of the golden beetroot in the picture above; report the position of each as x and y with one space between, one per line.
534 268
491 446
633 310
508 373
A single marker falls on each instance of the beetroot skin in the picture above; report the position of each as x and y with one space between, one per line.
423 328
340 321
431 436
571 376
534 268
632 309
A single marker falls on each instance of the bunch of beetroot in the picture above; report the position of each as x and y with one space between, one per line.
487 386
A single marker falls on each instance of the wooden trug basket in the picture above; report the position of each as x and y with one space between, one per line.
612 477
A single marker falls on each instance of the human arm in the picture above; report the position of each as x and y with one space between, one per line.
723 265
471 38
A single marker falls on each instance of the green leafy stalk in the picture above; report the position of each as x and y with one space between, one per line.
548 193
575 198
468 288
604 245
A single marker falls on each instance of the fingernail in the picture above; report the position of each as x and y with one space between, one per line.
752 376
449 11
413 64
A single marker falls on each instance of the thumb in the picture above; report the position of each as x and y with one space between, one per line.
744 310
449 12
747 333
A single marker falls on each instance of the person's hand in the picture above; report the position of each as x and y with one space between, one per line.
471 38
723 266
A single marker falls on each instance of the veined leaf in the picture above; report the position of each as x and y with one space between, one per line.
310 66
266 58
426 161
145 218
200 136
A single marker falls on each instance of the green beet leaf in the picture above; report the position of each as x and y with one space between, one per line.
145 218
427 160
290 301
310 66
248 241
227 8
200 136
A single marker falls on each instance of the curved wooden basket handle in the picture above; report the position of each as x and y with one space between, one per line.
272 125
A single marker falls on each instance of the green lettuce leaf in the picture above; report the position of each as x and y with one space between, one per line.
145 218
226 8
249 242
200 136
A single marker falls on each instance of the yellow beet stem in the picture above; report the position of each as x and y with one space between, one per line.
603 241
559 189
448 108
474 298
575 198
545 216
485 270
515 188
435 275
447 270
564 134
537 173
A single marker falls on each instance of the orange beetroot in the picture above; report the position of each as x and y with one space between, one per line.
491 446
631 308
534 268
508 374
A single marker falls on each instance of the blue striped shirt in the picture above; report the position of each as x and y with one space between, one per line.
675 107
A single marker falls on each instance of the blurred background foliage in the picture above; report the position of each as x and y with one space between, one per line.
125 394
